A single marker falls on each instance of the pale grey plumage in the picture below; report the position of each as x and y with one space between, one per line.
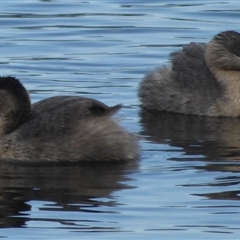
202 79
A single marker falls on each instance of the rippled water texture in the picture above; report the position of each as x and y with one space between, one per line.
186 184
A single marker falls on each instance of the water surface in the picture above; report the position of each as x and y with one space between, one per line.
186 184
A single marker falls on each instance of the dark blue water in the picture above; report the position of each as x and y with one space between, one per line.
186 184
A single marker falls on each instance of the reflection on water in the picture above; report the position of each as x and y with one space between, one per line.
215 141
215 138
67 188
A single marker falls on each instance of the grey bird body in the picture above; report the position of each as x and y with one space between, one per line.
63 129
201 79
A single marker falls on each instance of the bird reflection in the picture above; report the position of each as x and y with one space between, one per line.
68 188
228 195
217 139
